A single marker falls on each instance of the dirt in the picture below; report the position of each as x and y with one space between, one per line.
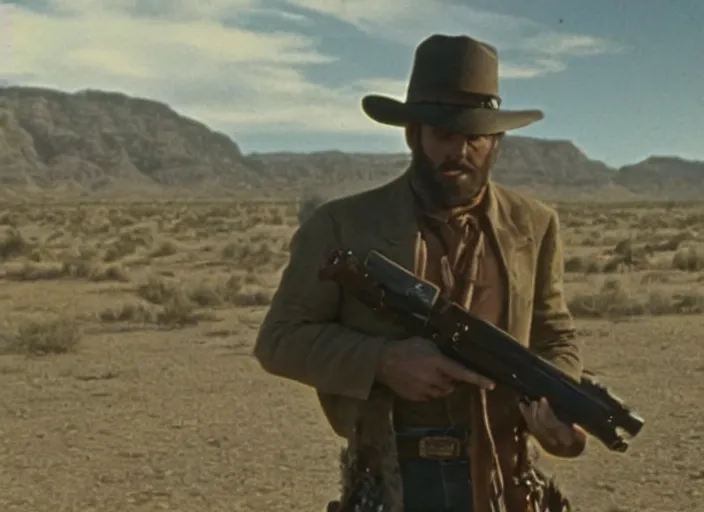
159 415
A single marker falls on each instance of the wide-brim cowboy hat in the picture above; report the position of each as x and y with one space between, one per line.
454 85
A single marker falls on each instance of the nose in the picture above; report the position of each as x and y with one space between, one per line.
459 147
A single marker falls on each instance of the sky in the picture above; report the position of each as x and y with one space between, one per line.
622 79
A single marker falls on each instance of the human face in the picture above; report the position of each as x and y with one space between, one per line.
453 168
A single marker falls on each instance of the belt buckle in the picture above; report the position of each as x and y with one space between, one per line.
439 447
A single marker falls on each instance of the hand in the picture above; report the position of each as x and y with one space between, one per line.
554 435
415 369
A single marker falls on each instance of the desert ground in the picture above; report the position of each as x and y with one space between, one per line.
127 384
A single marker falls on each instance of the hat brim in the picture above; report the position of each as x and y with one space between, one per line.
454 118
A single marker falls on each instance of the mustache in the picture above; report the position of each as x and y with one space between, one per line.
422 161
464 167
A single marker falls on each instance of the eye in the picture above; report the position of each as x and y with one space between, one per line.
441 134
480 141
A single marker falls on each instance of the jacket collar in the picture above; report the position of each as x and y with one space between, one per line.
506 225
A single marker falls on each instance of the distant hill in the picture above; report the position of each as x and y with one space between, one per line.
96 143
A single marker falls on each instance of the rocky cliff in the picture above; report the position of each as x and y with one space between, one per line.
104 143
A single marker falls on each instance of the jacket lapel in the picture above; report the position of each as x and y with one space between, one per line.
399 232
512 235
399 235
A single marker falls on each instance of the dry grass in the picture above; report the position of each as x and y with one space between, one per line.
126 381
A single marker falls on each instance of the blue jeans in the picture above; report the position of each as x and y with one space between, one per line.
436 485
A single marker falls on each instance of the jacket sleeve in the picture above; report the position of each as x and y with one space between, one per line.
300 338
553 332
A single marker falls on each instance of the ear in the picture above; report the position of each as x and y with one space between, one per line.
497 141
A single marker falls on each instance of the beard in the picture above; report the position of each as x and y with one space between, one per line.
460 188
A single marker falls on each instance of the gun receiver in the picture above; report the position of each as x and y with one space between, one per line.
395 293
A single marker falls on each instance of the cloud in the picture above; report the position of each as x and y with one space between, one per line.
532 69
558 44
202 59
409 21
199 66
226 76
164 9
527 49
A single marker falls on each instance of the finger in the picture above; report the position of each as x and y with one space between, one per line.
546 416
580 435
435 393
441 386
524 400
535 416
434 385
432 377
432 393
459 373
540 430
525 409
562 431
421 395
528 415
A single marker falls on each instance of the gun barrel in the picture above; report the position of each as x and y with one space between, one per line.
383 285
632 423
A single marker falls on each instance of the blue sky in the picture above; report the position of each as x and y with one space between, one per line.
622 79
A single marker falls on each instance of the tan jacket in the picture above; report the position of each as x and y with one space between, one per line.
315 335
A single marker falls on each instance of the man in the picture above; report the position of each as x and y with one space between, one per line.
440 438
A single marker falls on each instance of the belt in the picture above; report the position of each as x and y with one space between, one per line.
434 444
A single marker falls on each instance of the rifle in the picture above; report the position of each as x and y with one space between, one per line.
395 293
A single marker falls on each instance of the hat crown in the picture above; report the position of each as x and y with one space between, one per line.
451 65
454 85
